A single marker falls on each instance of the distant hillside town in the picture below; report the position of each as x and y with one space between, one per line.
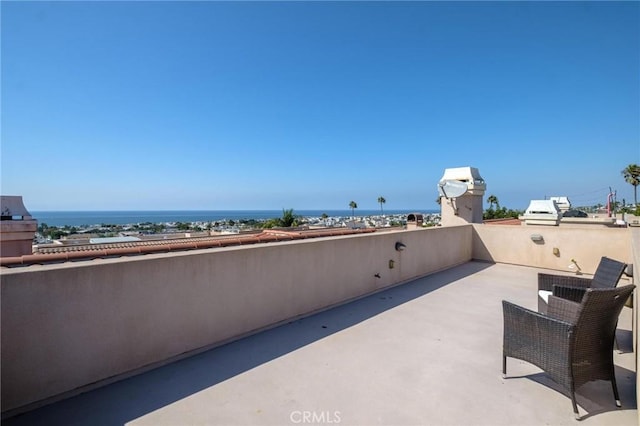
148 231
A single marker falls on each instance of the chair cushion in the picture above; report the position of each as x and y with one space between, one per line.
544 295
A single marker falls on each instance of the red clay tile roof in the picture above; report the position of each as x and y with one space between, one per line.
94 251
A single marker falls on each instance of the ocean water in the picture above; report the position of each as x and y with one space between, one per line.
89 218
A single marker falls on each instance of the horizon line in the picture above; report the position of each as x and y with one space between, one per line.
221 210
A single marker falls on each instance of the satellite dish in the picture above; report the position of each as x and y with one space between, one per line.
452 188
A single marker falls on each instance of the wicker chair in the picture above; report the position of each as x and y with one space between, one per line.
572 343
607 275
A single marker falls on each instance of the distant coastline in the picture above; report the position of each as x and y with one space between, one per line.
89 218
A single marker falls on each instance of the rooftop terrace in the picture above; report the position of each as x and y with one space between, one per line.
425 352
344 329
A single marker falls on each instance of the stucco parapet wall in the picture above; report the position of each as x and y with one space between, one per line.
73 326
555 251
132 249
602 221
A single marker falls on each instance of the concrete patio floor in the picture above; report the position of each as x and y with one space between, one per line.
424 353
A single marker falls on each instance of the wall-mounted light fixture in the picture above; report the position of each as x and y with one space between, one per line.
537 238
400 246
574 265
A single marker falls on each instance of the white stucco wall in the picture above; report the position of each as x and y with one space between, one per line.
513 244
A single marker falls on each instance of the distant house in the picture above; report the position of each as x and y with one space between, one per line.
104 240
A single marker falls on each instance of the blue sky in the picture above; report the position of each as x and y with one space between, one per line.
309 105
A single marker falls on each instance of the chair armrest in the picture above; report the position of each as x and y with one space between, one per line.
563 309
534 337
547 281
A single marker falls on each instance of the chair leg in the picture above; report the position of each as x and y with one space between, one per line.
615 390
616 346
504 366
574 403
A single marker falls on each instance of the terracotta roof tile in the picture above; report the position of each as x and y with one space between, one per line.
93 251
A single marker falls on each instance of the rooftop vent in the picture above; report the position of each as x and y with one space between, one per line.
542 212
563 203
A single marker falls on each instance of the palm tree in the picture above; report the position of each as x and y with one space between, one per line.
381 200
288 218
353 206
492 199
631 175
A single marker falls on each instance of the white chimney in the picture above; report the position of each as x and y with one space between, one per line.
461 190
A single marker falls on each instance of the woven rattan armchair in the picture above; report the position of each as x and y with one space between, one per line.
607 275
572 343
